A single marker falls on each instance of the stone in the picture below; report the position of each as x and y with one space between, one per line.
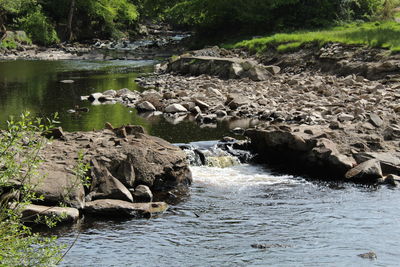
389 161
221 113
111 93
235 100
369 255
142 193
145 106
31 212
345 117
273 69
95 97
175 108
55 133
375 120
226 68
392 179
367 172
59 185
67 81
104 185
119 208
202 105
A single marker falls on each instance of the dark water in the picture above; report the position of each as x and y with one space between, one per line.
302 223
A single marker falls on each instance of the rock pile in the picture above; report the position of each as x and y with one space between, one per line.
128 171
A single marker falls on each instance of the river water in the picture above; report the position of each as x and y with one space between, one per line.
297 222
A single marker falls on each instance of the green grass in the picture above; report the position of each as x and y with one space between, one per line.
384 34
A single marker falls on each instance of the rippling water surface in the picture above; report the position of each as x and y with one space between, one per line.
301 223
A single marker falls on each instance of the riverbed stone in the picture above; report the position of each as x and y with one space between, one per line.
119 208
142 193
175 108
64 214
367 172
104 185
145 106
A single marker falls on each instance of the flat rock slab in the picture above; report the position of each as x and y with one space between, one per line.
119 208
31 212
225 68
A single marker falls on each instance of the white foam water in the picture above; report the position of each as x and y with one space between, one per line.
243 175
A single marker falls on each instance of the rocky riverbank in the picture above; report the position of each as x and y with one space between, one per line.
331 122
129 172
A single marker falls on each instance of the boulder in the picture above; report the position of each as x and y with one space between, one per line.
175 108
225 68
305 148
367 172
119 208
142 193
392 179
389 161
104 185
31 212
59 185
145 106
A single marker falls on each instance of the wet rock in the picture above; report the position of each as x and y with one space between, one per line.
369 255
392 179
367 172
142 193
145 106
96 97
104 185
175 108
31 212
119 208
389 161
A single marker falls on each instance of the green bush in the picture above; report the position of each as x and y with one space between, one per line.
39 28
20 145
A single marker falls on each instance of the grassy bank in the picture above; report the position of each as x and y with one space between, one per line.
372 34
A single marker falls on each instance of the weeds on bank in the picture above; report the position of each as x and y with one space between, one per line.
384 34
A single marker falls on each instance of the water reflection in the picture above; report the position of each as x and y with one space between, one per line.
36 86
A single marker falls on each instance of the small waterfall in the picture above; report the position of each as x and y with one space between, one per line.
214 154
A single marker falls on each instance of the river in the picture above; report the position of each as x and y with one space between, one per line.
297 221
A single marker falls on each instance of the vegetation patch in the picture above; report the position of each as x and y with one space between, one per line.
372 34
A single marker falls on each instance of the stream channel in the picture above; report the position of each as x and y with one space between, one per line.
294 221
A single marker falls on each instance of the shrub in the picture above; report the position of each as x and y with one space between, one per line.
39 28
20 145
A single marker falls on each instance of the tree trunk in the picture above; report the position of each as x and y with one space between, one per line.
70 19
